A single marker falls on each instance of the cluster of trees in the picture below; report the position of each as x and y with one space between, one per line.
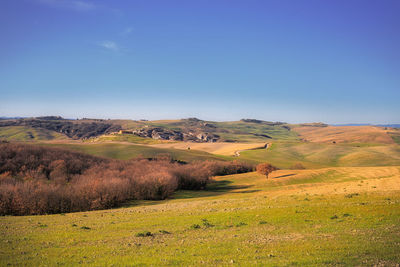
44 180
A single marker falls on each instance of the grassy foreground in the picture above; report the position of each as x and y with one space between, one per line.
332 216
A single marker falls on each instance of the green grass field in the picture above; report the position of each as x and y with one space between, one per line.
319 155
395 136
128 151
22 133
335 216
130 138
283 154
247 132
332 213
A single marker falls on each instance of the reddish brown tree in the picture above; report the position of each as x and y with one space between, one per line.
265 168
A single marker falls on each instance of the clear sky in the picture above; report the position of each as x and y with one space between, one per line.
335 61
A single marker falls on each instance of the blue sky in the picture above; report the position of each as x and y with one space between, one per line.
294 61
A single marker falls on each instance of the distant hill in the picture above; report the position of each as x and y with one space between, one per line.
74 129
24 133
191 130
345 134
11 118
368 124
389 125
352 124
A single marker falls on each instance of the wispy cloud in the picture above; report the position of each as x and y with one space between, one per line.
77 5
127 31
109 45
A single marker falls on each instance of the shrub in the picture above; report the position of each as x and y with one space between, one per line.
195 226
206 223
195 176
351 195
297 166
241 224
144 234
44 180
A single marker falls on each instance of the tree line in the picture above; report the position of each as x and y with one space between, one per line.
43 180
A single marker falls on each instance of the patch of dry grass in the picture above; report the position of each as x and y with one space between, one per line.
345 134
220 148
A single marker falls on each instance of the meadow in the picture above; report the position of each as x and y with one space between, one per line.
283 154
342 209
128 151
331 216
26 134
319 155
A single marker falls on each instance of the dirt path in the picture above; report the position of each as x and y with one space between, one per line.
237 152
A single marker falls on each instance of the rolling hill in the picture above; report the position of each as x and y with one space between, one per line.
195 130
319 155
344 134
343 209
128 151
314 145
23 133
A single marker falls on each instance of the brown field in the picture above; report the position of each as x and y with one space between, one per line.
344 180
220 148
345 134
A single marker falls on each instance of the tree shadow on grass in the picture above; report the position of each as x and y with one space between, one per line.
214 188
286 175
224 186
